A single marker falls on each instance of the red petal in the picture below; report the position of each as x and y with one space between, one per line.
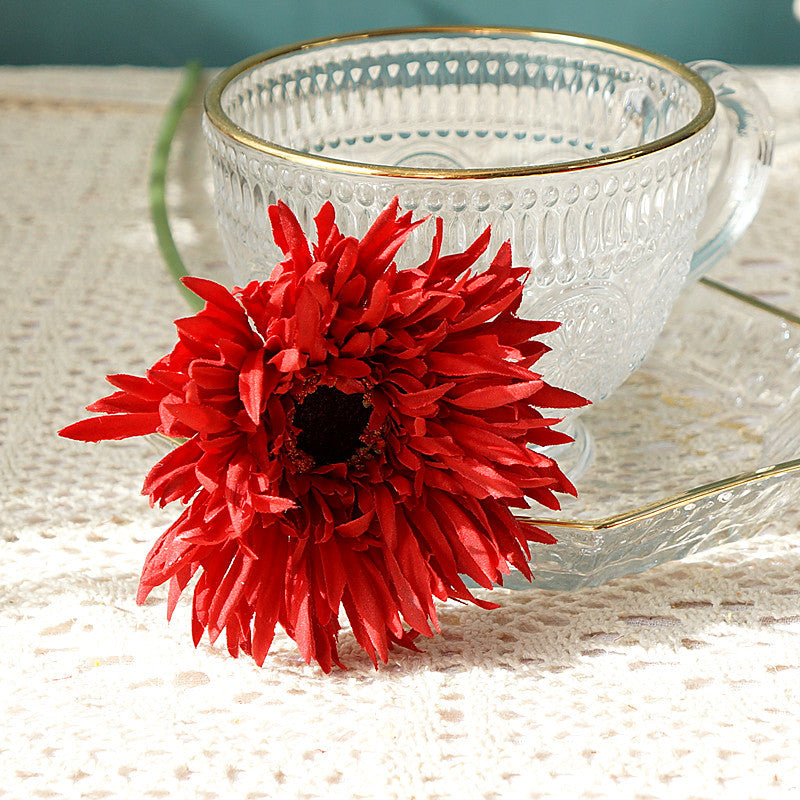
216 295
480 546
251 385
512 330
348 368
213 375
494 396
289 360
453 265
353 290
202 419
551 397
307 319
382 241
415 568
122 402
357 345
116 426
174 477
368 607
536 534
333 572
206 331
356 527
415 402
229 592
177 583
502 258
469 364
410 605
289 236
346 264
376 308
271 582
385 508
139 387
328 235
271 504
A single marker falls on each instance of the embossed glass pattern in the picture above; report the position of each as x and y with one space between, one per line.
609 246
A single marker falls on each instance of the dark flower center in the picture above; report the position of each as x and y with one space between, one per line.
330 424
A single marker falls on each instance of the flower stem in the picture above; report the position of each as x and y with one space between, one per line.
158 180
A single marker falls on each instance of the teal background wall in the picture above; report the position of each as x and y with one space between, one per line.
219 32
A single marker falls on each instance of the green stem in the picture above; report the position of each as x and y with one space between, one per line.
752 301
158 180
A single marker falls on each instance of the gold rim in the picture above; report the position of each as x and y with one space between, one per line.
220 120
671 503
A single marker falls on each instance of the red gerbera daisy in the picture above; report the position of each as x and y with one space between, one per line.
355 436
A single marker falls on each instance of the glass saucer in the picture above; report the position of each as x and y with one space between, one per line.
699 447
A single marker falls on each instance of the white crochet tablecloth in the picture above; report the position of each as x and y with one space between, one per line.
679 682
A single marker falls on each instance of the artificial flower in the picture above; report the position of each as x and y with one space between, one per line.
353 436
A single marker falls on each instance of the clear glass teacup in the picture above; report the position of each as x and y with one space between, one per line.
591 156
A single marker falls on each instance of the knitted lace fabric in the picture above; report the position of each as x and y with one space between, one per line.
678 682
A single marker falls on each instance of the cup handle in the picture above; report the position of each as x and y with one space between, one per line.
746 133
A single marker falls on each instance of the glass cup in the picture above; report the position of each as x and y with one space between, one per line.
590 156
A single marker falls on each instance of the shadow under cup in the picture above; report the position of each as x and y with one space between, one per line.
591 157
